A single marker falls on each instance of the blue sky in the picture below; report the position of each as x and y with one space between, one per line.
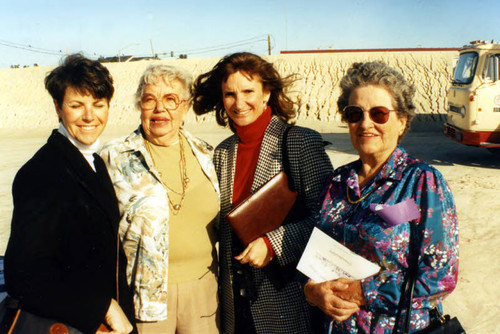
108 27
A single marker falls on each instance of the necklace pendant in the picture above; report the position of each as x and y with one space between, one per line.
187 180
177 207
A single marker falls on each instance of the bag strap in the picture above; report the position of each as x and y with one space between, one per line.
285 160
408 287
14 321
10 308
117 275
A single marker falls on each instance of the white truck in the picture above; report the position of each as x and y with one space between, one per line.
474 97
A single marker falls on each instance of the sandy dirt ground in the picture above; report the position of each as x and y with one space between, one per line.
472 173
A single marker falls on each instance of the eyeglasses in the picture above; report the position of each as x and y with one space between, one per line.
354 114
169 101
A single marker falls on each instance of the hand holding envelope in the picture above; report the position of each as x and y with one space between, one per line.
336 272
338 298
326 259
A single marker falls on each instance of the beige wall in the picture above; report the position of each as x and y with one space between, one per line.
24 103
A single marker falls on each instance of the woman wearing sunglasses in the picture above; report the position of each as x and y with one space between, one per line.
376 102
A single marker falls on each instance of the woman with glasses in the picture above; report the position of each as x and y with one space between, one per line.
377 104
168 197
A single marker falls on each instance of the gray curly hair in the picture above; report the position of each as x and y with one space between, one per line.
381 74
168 73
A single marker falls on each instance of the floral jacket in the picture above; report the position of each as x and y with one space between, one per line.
144 211
364 232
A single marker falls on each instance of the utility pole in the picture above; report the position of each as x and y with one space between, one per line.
269 43
152 50
286 25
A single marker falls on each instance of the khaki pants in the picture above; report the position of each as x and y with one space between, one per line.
192 307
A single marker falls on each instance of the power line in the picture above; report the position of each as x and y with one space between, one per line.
248 41
31 48
226 45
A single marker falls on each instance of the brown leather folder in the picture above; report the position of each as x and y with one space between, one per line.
263 211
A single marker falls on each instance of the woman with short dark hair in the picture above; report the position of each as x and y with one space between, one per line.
64 260
83 74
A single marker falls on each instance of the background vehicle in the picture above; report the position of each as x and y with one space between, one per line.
474 97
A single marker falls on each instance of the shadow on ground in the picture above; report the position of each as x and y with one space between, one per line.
431 146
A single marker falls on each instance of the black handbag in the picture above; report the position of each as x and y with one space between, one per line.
442 324
439 324
15 320
18 321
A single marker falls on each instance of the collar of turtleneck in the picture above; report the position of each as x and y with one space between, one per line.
254 132
86 150
247 155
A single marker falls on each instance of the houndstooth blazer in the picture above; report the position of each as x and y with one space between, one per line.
284 310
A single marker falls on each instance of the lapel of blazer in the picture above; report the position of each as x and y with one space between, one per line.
269 161
97 186
227 176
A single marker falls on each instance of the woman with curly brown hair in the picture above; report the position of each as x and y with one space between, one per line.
248 94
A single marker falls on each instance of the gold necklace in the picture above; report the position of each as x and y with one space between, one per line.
183 171
359 200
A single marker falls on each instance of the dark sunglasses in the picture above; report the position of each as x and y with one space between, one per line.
354 114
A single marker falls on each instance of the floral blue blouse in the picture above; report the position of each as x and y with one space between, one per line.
357 227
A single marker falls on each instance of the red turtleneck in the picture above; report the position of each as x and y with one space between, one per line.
250 138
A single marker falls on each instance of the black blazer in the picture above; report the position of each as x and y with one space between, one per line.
61 257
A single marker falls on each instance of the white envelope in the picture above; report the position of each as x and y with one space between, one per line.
326 259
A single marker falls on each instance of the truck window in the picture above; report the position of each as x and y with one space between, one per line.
466 68
492 67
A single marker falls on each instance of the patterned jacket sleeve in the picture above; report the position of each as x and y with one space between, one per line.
310 166
437 231
144 233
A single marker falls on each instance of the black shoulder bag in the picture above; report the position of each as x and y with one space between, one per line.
439 324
